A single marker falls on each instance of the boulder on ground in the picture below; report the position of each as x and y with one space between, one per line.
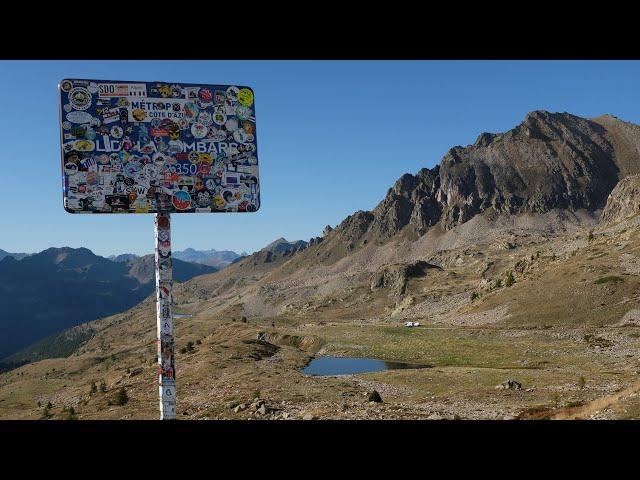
509 385
374 397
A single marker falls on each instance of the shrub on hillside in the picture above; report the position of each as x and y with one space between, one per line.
509 280
121 397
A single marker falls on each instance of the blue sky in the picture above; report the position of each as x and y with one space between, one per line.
333 136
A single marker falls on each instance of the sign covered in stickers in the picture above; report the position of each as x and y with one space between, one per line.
147 147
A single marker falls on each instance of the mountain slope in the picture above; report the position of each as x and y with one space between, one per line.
61 287
551 175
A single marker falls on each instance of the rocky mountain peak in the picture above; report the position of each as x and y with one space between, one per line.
549 161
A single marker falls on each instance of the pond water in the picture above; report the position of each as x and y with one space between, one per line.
350 366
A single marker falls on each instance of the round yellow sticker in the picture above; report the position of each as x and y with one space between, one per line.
245 97
218 201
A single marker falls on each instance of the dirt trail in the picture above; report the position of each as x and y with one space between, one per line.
585 411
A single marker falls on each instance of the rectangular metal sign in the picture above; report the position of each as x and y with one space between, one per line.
147 147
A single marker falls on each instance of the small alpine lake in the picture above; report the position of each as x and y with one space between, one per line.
330 366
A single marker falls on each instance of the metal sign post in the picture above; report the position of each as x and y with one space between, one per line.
157 147
164 291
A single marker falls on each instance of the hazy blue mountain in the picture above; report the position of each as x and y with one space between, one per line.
125 257
58 288
215 258
143 269
17 256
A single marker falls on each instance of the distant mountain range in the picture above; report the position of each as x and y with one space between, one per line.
213 258
123 258
17 256
58 288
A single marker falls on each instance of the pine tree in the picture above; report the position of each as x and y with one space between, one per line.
71 413
122 397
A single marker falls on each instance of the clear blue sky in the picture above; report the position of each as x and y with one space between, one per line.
332 137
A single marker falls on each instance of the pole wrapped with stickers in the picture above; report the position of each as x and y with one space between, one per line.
164 291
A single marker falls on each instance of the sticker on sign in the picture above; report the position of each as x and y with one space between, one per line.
108 90
149 109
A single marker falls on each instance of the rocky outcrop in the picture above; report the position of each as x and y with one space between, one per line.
314 241
281 245
354 226
550 161
395 276
260 349
278 250
412 200
307 343
624 201
374 396
509 385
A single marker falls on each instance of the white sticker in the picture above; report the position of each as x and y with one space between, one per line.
232 93
80 98
232 125
199 130
116 131
205 118
79 117
111 115
148 110
216 135
112 90
241 136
